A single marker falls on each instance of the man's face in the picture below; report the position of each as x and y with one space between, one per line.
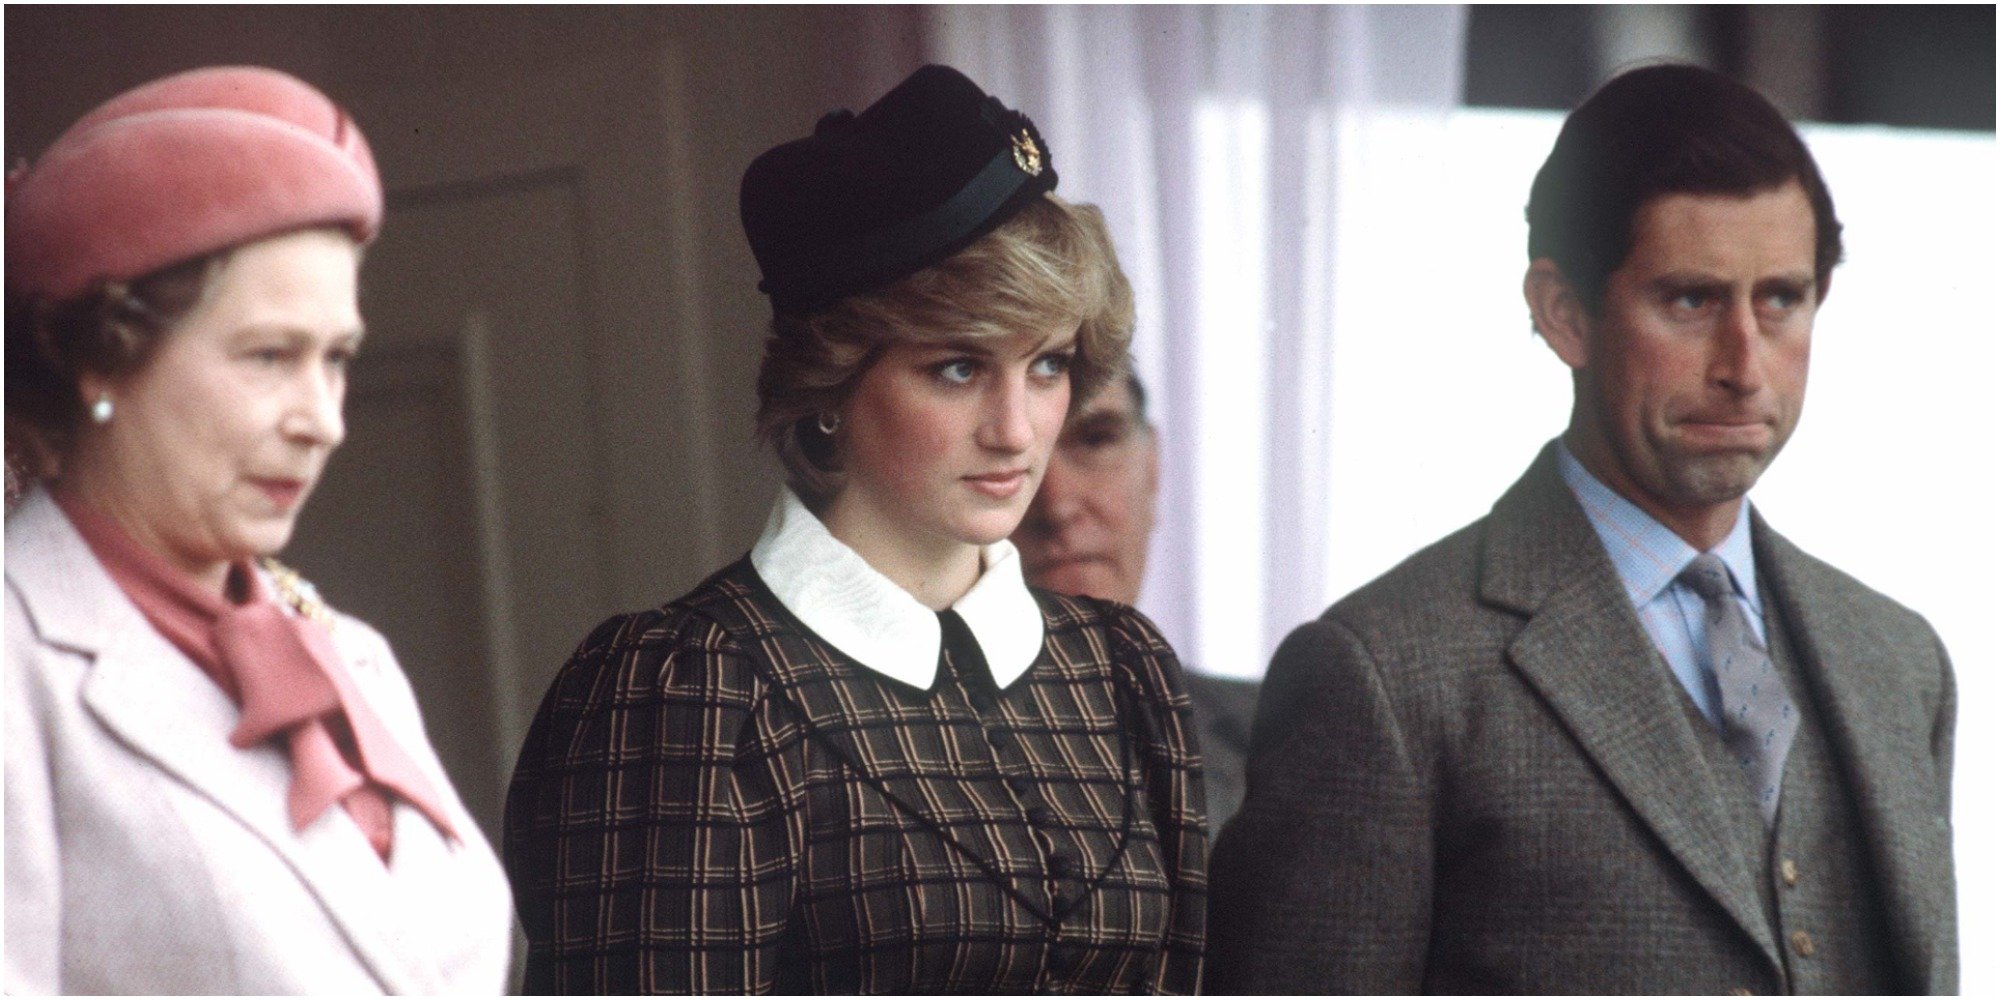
1693 371
1087 531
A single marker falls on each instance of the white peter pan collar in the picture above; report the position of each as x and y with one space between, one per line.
867 616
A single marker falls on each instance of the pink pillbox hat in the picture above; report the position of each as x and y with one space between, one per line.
186 165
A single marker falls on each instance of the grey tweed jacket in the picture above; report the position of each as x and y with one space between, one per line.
1471 776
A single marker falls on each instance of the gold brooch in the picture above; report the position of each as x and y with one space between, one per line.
297 594
1027 155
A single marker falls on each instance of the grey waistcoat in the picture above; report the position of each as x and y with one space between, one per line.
1819 892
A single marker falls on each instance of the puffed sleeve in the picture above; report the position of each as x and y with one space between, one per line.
653 826
1172 765
34 884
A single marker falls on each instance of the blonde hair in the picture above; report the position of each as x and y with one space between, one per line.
1049 267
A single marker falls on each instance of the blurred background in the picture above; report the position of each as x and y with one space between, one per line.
1321 212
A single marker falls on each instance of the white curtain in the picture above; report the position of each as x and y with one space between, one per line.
1227 147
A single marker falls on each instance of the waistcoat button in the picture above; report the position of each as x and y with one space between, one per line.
1789 871
1802 943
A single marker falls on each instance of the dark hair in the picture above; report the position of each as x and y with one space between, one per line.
1669 129
110 330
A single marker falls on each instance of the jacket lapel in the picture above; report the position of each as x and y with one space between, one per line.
1585 652
163 707
1879 730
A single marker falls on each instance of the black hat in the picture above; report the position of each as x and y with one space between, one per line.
869 198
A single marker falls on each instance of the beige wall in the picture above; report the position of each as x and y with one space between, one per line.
551 420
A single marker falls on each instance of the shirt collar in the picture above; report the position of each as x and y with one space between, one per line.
865 615
1647 554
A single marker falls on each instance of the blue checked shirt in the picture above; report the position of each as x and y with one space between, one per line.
1648 557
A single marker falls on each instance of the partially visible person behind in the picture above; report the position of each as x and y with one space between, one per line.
866 757
1088 532
215 783
1619 735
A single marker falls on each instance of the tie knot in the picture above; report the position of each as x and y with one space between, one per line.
1707 576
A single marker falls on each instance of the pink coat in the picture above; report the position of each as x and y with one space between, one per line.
144 854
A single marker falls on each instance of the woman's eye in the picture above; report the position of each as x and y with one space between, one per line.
1052 365
957 372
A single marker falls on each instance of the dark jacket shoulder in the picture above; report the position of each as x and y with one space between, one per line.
1226 706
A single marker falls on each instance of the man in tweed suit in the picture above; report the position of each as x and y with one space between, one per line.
1619 735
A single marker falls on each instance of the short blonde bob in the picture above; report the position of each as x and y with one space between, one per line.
1050 266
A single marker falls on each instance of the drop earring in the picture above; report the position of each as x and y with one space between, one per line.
100 411
828 423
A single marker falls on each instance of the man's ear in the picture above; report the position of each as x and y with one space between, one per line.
1559 315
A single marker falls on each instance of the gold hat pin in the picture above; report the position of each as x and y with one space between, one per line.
1027 155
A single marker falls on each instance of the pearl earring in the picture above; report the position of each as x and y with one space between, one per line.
100 411
828 423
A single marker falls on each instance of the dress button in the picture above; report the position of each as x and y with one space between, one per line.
1061 865
1038 814
1789 871
1740 991
1802 943
1142 973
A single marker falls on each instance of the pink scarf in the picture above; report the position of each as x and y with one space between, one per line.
282 670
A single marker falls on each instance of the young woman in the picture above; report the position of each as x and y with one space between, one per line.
215 783
867 758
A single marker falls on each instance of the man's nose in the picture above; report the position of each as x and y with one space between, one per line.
1738 362
1061 497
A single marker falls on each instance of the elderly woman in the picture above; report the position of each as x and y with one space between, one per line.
214 782
866 758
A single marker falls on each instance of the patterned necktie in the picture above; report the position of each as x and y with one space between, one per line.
1758 721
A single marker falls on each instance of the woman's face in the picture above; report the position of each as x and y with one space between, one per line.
214 445
945 442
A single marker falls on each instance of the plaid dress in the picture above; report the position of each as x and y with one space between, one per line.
713 800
